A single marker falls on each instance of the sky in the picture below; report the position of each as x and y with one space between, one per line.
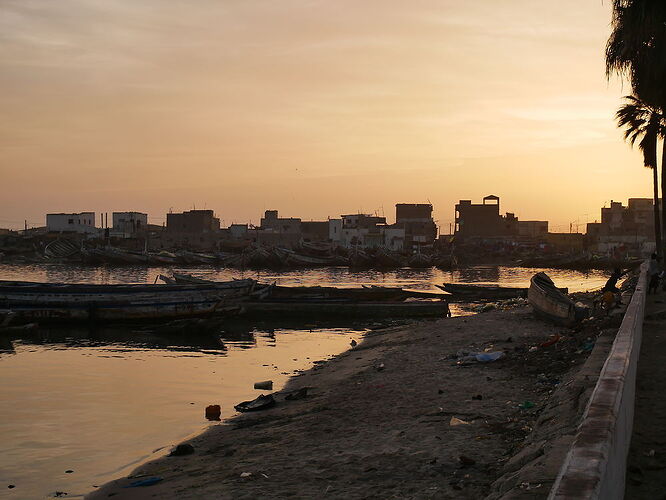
311 107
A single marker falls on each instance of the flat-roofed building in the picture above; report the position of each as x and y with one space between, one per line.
82 222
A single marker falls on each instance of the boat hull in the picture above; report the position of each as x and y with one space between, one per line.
348 310
45 302
550 303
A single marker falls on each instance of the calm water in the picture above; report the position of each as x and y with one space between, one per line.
99 402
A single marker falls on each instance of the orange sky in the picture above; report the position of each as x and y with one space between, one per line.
311 107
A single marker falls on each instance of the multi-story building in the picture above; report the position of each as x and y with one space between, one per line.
83 222
630 228
193 222
127 224
484 220
416 219
366 231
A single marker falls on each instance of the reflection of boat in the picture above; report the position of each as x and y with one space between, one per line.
71 302
483 291
550 303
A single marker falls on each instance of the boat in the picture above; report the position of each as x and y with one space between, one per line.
419 261
481 291
359 259
550 303
60 249
62 302
387 259
347 308
187 257
163 257
292 258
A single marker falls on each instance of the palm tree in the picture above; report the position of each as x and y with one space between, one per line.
641 120
636 50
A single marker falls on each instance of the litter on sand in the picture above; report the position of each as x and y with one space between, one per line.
144 482
261 403
456 422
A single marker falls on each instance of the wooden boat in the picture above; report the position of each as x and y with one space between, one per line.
485 292
349 309
289 257
163 257
360 259
419 261
60 249
386 259
187 257
48 302
550 303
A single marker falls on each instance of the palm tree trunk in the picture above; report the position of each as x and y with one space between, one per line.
663 186
657 222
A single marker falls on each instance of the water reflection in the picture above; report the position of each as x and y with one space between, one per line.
100 400
422 279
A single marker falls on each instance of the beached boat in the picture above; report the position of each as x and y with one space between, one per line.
550 303
46 302
61 249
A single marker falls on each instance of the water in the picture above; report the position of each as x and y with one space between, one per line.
99 402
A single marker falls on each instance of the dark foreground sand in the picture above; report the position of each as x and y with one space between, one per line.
377 422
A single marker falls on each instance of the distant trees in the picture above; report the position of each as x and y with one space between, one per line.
647 123
636 50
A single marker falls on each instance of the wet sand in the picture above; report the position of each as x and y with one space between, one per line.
377 421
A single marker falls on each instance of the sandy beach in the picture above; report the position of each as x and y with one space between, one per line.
377 421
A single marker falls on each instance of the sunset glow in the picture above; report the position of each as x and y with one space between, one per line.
313 108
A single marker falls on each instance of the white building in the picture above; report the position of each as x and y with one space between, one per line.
83 222
126 224
365 231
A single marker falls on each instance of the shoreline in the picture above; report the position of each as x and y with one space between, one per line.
377 420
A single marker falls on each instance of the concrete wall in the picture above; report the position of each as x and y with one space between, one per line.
596 463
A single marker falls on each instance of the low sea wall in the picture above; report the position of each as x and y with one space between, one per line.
596 463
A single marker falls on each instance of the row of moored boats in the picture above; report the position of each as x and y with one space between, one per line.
306 255
184 296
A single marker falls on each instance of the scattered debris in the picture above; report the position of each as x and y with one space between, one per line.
144 482
353 343
246 474
526 405
260 403
478 397
266 385
213 412
182 450
454 422
466 461
465 357
69 471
